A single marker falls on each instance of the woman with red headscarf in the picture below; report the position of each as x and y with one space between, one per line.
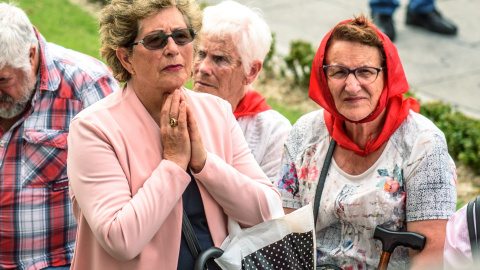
391 166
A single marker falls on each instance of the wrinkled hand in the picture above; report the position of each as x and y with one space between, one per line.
199 155
175 140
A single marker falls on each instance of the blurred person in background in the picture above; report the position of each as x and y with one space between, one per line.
462 247
42 87
235 41
154 151
391 167
421 13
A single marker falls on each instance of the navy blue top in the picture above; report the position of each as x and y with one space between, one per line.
193 206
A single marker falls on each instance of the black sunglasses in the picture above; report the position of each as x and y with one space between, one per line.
159 40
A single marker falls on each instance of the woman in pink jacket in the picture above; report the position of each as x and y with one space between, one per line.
145 154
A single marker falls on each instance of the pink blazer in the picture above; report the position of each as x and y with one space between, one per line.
127 200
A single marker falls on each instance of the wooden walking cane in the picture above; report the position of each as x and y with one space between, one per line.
391 239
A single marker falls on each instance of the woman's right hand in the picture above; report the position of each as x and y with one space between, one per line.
199 155
175 140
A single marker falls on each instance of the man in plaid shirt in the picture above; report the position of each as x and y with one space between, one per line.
42 87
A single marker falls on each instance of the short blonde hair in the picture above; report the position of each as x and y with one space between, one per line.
120 25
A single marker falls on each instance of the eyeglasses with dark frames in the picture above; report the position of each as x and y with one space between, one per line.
364 75
159 40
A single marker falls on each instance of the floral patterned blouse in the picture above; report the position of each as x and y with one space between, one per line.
413 179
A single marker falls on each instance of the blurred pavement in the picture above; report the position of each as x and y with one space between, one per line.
437 66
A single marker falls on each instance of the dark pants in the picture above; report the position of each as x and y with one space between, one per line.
387 7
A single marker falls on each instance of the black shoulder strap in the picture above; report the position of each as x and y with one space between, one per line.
321 180
189 234
473 222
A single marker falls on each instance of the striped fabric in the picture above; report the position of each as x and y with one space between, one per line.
37 226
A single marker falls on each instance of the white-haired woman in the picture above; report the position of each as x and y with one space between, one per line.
235 42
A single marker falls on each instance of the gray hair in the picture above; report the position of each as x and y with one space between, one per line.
246 26
16 37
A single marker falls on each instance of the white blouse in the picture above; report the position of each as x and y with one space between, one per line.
266 134
413 179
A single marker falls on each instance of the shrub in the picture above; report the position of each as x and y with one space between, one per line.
461 132
299 62
268 61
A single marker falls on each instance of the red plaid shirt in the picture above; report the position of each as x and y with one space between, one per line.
37 226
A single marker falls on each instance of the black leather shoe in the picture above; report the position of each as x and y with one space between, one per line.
432 21
384 23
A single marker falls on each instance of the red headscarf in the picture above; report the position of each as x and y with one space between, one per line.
252 104
391 98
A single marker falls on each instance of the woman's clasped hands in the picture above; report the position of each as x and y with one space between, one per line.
181 139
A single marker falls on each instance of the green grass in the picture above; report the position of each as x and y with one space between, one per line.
189 84
460 203
65 24
290 114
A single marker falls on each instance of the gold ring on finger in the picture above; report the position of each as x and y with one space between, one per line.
173 122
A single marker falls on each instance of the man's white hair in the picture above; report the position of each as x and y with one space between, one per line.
246 26
16 37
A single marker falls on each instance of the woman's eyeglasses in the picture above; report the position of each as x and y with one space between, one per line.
364 75
159 40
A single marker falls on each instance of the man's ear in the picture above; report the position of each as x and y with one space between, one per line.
34 60
124 54
32 54
254 70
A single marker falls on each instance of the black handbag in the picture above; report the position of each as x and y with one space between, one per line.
286 242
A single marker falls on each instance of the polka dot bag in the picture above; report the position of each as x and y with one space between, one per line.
287 242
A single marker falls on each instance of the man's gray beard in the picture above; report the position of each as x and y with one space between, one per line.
19 106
